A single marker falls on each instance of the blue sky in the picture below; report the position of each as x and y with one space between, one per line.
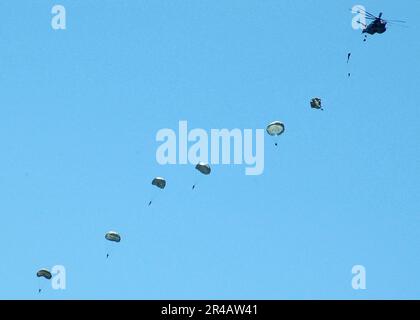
80 108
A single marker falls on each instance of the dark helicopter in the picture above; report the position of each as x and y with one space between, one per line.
378 25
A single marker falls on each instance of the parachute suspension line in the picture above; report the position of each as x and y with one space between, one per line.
152 198
39 285
160 183
197 182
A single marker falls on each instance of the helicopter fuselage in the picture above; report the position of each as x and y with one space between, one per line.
376 26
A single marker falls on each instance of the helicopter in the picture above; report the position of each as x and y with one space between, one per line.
378 25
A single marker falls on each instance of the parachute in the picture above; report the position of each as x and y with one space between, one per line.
275 128
44 273
113 236
316 103
204 168
159 182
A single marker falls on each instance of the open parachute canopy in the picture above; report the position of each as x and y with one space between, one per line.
113 236
204 168
316 103
159 182
275 128
44 273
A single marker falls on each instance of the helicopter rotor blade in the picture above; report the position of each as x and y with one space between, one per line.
397 25
359 22
370 16
366 13
395 21
366 16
